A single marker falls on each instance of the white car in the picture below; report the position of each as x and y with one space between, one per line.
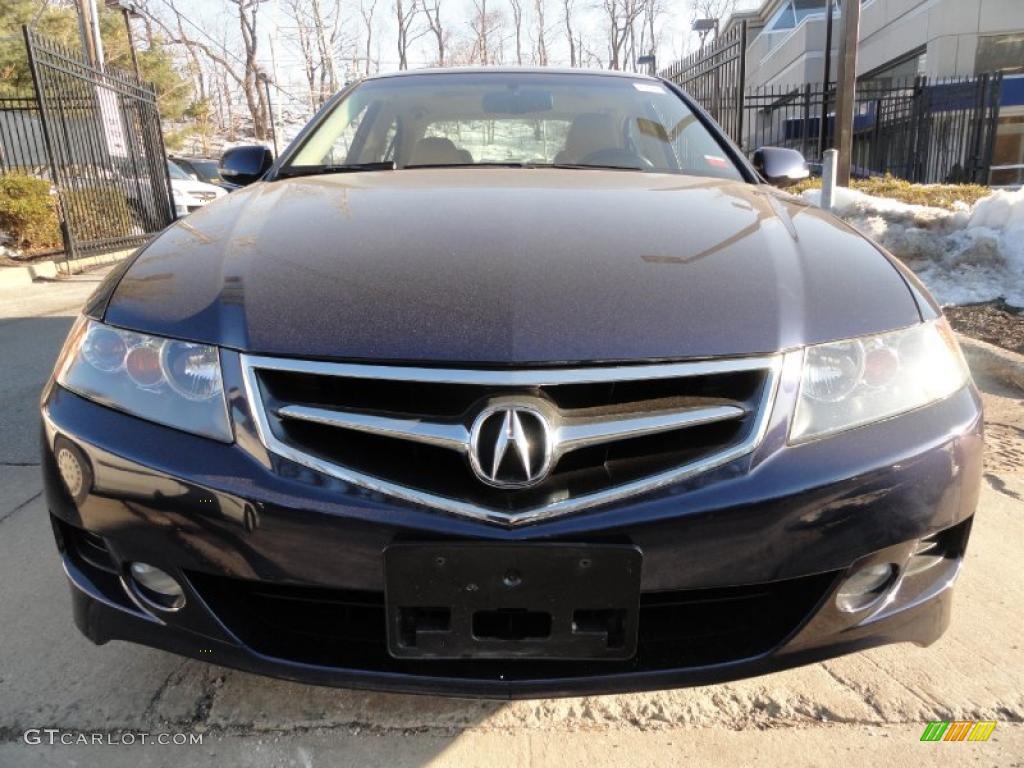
189 192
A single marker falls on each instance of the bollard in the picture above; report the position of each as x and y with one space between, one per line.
828 177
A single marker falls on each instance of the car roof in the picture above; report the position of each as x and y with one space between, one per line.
512 71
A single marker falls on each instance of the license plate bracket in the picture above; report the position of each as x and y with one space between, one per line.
512 601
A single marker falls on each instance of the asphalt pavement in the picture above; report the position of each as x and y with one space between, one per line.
866 709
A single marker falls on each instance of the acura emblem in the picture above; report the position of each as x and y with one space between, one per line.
510 446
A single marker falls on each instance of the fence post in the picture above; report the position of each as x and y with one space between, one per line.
984 92
991 127
742 86
920 136
805 132
44 119
830 162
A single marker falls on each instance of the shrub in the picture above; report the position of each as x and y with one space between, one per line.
100 212
28 212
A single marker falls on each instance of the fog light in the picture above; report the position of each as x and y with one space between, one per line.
157 588
865 587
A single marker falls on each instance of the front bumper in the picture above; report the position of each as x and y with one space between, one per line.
283 567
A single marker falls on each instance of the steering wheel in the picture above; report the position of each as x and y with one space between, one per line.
620 158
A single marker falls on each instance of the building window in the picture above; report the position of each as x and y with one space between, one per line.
903 69
1008 157
1000 53
793 12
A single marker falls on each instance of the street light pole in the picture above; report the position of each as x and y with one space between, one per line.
131 43
128 10
847 94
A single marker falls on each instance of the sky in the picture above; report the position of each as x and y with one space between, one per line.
278 53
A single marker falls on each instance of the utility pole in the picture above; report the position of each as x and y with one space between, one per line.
826 82
97 39
85 27
846 100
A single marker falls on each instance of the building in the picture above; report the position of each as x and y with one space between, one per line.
899 41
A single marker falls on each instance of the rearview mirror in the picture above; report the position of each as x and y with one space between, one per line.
244 165
517 102
781 167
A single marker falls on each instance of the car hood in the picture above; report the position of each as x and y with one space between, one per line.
510 266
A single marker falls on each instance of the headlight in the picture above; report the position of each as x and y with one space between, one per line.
850 383
176 383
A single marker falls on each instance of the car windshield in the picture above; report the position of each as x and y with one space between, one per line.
516 119
176 171
207 170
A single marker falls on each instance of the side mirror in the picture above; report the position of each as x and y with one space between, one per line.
244 165
780 167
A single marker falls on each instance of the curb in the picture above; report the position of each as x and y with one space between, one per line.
17 277
987 359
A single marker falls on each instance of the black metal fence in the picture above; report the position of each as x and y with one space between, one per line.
714 77
96 135
22 147
921 130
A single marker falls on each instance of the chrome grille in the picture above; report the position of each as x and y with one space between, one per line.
613 431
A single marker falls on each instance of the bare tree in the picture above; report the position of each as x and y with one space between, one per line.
367 8
586 55
243 70
432 10
719 10
652 11
318 32
406 15
487 27
248 13
303 34
620 17
541 42
517 24
567 14
328 31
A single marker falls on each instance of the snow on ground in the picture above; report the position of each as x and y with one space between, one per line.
969 255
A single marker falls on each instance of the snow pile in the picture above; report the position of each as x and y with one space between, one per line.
968 255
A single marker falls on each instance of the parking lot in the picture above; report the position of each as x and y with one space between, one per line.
865 709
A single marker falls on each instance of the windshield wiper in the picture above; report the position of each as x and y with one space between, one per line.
513 164
484 164
590 167
320 170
